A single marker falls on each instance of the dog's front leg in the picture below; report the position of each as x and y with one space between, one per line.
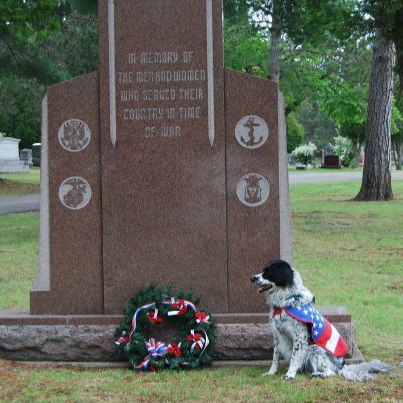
299 350
276 357
274 364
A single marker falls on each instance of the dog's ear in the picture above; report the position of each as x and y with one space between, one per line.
280 273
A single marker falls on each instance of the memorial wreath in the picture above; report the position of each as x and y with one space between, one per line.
152 306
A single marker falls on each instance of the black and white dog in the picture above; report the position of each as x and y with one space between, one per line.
295 324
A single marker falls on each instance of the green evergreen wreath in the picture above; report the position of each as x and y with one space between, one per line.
149 307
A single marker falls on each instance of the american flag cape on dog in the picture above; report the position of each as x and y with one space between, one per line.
323 333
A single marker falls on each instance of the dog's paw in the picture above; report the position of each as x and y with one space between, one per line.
318 375
270 373
288 377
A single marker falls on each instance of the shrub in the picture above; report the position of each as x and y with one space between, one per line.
295 132
343 147
304 153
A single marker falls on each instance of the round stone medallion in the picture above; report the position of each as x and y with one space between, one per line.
74 135
251 132
252 190
75 193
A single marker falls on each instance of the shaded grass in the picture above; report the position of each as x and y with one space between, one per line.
20 183
348 253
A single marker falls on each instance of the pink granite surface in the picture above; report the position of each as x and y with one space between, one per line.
164 166
76 285
253 232
163 197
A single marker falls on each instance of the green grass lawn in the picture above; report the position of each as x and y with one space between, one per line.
348 254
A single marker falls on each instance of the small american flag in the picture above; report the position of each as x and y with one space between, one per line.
323 333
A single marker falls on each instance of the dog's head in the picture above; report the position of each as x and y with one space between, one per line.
277 273
282 285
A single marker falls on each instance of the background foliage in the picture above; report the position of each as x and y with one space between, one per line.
325 51
41 43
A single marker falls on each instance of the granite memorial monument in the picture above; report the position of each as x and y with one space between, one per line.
160 168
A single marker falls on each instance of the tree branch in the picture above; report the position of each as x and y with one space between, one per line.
16 56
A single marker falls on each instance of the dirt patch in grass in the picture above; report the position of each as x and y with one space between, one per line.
9 188
398 286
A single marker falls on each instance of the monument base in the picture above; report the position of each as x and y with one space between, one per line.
243 339
13 166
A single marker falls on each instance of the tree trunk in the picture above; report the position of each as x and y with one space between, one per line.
275 40
376 180
357 153
398 153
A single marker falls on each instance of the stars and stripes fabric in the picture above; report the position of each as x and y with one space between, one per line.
323 333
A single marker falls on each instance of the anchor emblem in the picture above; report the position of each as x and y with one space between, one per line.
251 132
251 125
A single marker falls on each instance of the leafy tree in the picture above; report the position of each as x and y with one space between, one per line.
315 23
295 132
319 129
24 23
343 147
244 48
236 10
84 6
344 99
78 36
41 43
356 133
20 114
311 45
397 130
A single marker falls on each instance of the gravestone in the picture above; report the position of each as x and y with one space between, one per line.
9 156
319 157
36 154
166 168
332 161
329 149
26 156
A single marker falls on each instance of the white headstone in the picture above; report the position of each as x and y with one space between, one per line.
10 157
9 148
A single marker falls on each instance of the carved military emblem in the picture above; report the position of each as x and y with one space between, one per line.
74 135
251 132
252 190
75 193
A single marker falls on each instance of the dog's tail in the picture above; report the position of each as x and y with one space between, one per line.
364 371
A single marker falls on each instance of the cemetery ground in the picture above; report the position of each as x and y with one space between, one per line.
14 184
348 254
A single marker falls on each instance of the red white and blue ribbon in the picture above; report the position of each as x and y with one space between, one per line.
155 349
198 342
126 339
180 306
202 317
